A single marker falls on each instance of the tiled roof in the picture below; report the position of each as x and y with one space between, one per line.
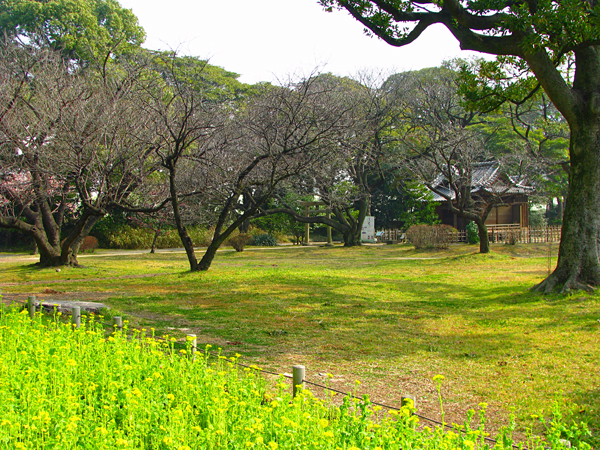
485 178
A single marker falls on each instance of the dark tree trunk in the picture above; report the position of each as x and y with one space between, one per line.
221 236
245 226
352 238
89 224
484 239
186 240
353 226
69 246
559 209
156 234
50 255
211 251
578 266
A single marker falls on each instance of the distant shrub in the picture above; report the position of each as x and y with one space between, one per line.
431 236
201 236
264 240
513 236
169 239
239 242
135 238
472 233
89 243
129 238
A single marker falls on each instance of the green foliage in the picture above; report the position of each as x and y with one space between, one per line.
214 83
129 238
66 388
86 30
537 218
283 224
431 236
515 113
419 206
109 224
402 204
15 240
472 233
263 240
124 236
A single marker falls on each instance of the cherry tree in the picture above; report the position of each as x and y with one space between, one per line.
66 147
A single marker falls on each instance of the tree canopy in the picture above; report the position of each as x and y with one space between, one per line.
82 29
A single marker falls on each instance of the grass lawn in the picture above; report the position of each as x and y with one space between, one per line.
389 316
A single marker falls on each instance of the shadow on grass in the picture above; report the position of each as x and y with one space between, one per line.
416 316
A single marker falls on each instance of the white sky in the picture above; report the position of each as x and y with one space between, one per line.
264 40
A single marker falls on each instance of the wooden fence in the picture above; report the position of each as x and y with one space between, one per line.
524 235
498 234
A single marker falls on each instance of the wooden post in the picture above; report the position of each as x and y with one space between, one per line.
306 229
409 400
298 373
118 323
31 305
194 341
329 238
76 316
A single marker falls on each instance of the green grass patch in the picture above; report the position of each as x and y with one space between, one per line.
389 316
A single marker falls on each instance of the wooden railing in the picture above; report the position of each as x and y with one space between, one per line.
507 234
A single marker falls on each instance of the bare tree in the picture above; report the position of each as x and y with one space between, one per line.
282 132
362 158
449 154
65 148
218 154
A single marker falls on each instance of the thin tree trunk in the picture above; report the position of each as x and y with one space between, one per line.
156 234
186 240
67 255
484 239
210 253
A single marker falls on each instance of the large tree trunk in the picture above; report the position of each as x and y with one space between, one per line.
352 238
578 266
70 246
353 226
84 233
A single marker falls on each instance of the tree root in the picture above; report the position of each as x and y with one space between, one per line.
554 284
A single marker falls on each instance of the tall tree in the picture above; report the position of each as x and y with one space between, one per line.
281 132
83 30
218 151
66 148
537 37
